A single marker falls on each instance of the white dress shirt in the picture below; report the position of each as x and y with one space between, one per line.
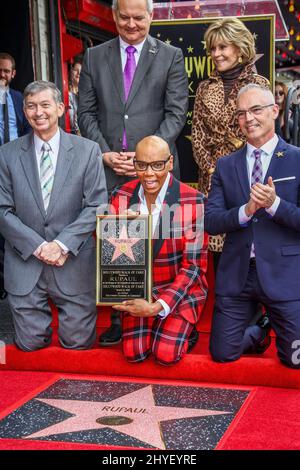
12 118
155 218
267 151
137 53
54 144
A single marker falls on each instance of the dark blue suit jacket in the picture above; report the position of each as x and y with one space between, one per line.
22 123
276 239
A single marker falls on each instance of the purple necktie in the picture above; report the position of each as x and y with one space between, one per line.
129 69
257 171
128 75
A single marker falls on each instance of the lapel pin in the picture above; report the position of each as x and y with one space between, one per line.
153 51
279 154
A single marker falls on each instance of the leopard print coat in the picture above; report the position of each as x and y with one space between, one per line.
215 130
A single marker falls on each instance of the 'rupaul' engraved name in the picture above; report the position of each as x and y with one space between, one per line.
123 278
116 409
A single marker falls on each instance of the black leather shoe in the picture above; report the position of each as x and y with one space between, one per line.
193 339
259 348
113 335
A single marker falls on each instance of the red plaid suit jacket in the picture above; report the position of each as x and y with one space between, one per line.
179 246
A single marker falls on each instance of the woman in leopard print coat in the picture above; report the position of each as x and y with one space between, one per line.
215 130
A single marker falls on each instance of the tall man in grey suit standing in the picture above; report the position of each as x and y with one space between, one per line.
131 87
50 186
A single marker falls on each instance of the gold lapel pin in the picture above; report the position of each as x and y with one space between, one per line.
279 154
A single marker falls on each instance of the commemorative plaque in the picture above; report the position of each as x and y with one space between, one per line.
124 258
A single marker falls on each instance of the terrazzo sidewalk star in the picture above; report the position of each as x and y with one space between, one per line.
122 415
126 414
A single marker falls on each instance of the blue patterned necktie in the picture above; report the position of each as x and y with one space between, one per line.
257 171
46 174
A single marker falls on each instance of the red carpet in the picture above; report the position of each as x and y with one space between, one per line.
264 370
268 422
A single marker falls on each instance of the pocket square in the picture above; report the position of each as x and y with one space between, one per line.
287 178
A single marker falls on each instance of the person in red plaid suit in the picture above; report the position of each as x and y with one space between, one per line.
167 327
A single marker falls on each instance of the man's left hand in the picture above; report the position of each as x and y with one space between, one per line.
139 308
61 261
264 195
50 253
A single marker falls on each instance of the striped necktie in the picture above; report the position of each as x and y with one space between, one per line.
46 174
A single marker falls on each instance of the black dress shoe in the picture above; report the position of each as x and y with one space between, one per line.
259 348
113 335
193 339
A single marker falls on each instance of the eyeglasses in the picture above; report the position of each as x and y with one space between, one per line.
254 111
160 165
279 93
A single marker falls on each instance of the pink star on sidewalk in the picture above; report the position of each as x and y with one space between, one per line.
137 410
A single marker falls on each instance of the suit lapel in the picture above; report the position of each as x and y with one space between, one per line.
274 169
115 66
64 161
29 164
148 54
134 198
172 197
241 168
277 161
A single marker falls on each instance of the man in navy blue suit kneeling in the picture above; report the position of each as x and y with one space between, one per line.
255 200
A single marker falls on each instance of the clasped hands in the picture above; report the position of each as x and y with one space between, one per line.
121 163
261 196
51 253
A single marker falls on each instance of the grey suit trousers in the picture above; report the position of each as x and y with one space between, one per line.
32 316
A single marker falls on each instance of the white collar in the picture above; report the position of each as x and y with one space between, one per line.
138 47
267 148
161 195
53 142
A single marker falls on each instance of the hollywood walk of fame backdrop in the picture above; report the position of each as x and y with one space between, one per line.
126 414
124 258
188 35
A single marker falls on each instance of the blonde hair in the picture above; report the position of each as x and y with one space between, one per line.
231 31
285 92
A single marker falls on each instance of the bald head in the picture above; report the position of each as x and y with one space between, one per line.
153 142
153 162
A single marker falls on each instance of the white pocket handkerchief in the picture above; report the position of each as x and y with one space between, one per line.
284 179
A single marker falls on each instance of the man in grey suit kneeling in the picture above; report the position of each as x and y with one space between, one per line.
50 186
